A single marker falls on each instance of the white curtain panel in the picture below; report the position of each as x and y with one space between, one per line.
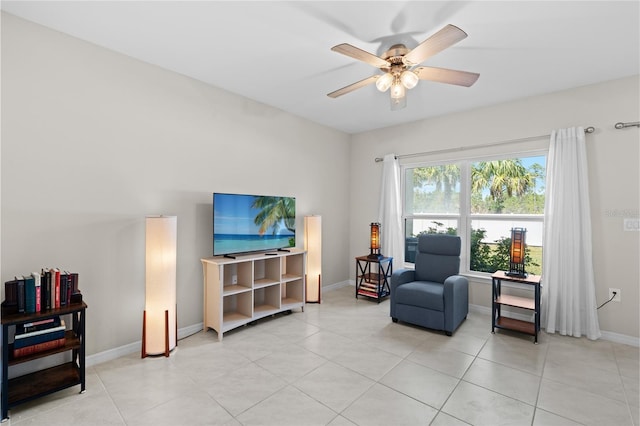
390 213
568 296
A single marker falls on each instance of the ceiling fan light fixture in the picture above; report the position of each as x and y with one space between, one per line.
397 90
384 82
409 79
398 103
397 62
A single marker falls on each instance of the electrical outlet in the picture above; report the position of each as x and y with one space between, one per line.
617 296
234 279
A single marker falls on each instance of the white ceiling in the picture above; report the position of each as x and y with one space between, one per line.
278 53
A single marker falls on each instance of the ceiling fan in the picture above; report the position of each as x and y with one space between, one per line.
399 66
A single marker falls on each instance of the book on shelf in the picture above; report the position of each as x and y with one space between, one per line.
46 289
57 325
29 293
56 288
64 287
73 279
21 296
40 336
368 293
38 325
369 287
39 347
10 294
38 284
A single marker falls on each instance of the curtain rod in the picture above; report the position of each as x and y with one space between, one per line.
589 129
623 125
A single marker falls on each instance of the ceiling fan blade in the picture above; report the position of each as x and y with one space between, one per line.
354 86
361 55
444 75
446 37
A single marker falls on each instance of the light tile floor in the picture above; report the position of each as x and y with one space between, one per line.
344 362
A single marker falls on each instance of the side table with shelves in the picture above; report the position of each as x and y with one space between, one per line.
532 282
373 276
43 382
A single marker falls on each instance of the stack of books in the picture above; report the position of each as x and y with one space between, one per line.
38 336
41 291
368 289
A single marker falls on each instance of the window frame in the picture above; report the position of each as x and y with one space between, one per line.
464 216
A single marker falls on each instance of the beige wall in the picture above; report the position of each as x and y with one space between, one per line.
614 178
93 141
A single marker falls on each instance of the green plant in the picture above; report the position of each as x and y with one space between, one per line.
480 252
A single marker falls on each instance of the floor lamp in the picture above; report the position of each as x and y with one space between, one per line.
159 324
313 247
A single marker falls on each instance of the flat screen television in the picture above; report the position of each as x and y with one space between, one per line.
245 223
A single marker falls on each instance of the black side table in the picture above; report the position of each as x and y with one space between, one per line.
500 299
373 283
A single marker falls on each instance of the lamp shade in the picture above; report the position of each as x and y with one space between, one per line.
374 241
384 82
313 247
375 236
397 89
517 253
409 79
159 328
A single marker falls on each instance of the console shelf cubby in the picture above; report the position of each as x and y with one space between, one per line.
240 290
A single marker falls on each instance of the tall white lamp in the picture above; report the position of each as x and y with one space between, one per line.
313 247
159 324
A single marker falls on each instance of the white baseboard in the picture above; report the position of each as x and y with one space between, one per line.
188 331
620 338
609 336
111 354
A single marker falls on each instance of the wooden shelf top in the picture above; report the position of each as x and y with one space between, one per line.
516 325
16 318
248 257
235 289
290 277
54 378
518 302
366 258
530 279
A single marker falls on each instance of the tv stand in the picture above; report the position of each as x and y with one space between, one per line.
241 291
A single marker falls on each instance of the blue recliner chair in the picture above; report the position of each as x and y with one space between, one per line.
433 295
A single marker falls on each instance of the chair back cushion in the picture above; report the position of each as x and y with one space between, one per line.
438 257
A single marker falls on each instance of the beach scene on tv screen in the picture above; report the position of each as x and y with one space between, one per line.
244 223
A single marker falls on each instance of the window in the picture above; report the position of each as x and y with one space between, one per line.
480 200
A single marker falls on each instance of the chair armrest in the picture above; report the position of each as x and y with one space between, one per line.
456 301
402 276
454 285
